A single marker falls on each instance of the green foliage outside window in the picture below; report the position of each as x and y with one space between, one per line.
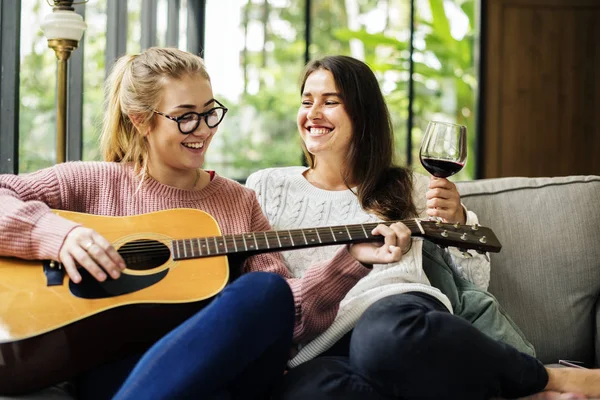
261 132
260 129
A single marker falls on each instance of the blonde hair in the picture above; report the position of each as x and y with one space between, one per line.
134 87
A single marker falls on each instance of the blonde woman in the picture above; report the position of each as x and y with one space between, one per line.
160 118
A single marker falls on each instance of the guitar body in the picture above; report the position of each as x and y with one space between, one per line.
50 333
52 329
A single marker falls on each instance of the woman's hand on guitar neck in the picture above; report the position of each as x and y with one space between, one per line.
397 242
87 248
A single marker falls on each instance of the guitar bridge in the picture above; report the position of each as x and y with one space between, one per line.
54 271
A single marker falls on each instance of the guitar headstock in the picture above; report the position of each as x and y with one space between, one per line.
466 237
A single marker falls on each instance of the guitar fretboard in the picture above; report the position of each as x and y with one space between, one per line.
280 240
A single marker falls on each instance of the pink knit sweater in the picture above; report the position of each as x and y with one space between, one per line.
29 230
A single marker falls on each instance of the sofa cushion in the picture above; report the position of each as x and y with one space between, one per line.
547 275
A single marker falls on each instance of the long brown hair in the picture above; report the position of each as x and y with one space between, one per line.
383 188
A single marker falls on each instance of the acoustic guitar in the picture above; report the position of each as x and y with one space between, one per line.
52 329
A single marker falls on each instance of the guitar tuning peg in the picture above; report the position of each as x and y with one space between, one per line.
485 254
465 253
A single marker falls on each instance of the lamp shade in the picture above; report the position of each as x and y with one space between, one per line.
63 24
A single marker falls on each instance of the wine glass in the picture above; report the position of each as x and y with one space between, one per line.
444 148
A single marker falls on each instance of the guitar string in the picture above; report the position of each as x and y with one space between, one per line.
294 236
355 230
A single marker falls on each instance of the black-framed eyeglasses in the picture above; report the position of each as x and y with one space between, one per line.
189 122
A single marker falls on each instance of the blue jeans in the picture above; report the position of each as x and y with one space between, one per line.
408 346
236 347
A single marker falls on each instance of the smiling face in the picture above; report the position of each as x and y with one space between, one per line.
323 122
170 151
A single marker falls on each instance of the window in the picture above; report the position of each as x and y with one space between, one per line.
377 32
94 66
37 117
446 71
444 80
255 57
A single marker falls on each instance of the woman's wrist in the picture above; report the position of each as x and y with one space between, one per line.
368 266
408 249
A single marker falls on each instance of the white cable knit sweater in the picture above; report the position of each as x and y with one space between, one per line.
290 201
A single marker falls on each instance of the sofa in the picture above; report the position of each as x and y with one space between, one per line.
547 275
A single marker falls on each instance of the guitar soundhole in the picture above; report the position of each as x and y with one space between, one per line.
144 254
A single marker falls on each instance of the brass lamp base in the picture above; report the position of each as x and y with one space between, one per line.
63 49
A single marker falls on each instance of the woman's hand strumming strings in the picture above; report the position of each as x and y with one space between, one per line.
87 248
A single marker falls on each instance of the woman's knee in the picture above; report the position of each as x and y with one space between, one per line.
325 378
267 281
394 328
269 292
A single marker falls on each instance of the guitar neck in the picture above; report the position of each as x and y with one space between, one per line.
282 240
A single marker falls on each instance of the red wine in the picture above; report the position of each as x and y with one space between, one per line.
441 168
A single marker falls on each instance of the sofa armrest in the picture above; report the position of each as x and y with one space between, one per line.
547 275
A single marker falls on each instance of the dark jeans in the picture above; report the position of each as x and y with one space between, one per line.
234 348
408 346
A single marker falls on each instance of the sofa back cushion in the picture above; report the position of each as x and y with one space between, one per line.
547 275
